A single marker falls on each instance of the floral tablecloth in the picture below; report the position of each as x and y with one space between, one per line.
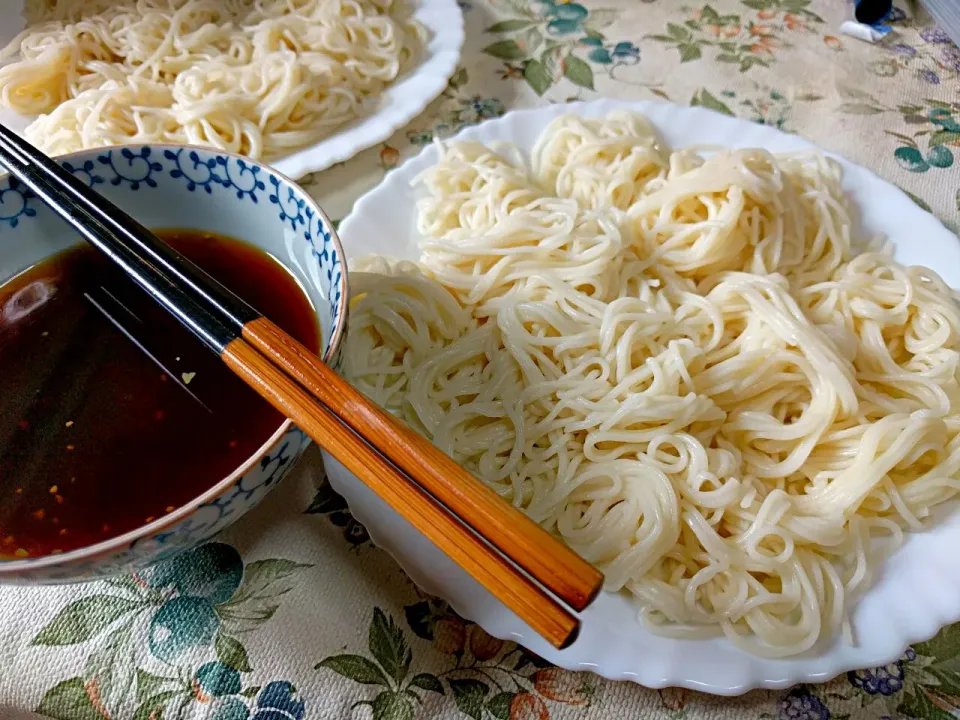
294 614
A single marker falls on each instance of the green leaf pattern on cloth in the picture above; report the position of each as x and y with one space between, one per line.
84 619
483 676
187 609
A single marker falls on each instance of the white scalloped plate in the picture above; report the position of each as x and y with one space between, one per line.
402 101
919 591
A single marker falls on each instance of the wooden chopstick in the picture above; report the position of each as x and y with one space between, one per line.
531 604
556 567
513 588
559 569
215 320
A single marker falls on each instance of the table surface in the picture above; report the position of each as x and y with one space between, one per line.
325 625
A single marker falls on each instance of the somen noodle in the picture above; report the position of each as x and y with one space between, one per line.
685 365
258 77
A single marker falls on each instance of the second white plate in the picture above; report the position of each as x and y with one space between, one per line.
919 591
402 101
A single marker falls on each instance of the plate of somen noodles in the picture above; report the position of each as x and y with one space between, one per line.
718 363
302 85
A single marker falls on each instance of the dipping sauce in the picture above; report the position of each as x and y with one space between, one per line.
97 438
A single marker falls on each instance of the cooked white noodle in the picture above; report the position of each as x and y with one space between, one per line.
258 77
678 364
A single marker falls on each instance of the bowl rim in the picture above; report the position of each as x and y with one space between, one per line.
25 565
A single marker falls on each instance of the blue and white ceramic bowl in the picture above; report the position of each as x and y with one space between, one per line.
178 186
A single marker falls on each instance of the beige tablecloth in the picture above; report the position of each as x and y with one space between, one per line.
325 625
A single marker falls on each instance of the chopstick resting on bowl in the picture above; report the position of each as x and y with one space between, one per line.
500 547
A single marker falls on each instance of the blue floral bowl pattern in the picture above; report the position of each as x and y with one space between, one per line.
186 187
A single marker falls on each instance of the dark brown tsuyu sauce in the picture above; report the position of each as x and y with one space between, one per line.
96 438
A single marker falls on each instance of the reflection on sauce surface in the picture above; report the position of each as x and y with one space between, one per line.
97 438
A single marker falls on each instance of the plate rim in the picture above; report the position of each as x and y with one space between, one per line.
445 21
928 617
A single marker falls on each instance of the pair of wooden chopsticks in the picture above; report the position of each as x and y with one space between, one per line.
501 548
